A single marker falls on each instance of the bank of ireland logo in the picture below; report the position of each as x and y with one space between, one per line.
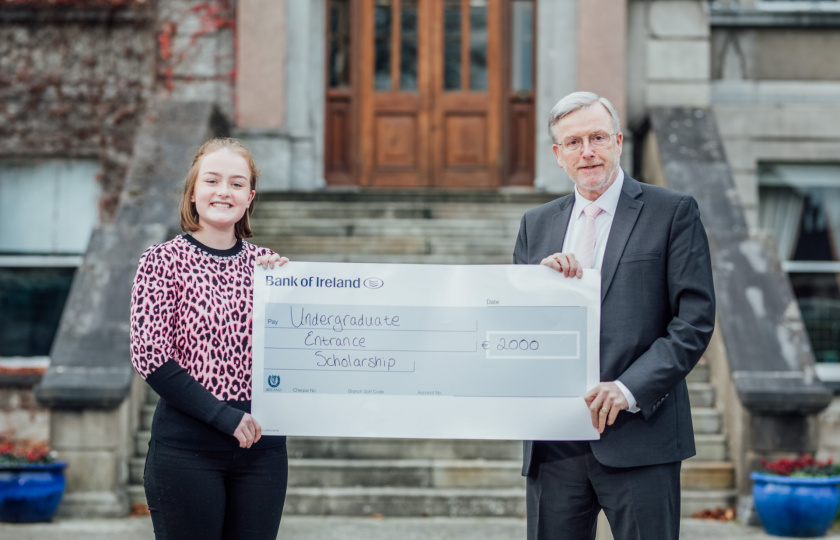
373 283
274 381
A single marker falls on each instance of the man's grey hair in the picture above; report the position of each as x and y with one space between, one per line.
574 102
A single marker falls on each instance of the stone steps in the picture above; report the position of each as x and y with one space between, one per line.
710 446
695 500
407 258
404 502
706 420
391 245
446 228
408 473
400 489
377 448
701 394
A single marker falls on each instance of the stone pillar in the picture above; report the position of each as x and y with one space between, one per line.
96 444
283 125
601 50
602 59
260 59
557 71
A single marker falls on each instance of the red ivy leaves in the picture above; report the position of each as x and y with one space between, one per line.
213 17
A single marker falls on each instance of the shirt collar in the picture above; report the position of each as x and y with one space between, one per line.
607 202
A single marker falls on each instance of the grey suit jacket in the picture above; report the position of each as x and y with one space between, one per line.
657 314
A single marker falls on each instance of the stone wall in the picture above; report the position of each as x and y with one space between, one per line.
73 83
829 419
21 416
667 56
774 53
197 52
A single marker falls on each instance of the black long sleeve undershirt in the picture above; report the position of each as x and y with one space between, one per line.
181 391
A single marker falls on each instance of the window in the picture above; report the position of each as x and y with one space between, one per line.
800 206
48 209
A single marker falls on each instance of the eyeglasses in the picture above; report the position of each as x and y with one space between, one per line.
598 139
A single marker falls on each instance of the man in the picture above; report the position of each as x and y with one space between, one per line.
657 316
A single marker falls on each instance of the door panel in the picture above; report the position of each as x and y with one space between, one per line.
428 95
396 140
466 133
394 115
465 140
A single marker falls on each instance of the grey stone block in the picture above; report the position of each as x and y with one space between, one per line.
677 94
678 18
706 420
701 394
710 447
677 60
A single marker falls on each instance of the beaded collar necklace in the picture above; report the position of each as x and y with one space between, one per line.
218 254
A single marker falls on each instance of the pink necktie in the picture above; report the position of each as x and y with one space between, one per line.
585 252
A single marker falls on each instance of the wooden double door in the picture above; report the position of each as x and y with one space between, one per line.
417 96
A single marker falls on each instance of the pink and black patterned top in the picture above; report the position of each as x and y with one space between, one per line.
191 315
195 306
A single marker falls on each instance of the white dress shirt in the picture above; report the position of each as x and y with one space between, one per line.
607 202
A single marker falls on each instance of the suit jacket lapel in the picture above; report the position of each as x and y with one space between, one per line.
559 224
626 214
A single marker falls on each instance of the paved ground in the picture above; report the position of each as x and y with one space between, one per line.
335 528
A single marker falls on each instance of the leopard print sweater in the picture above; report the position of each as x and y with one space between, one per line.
194 305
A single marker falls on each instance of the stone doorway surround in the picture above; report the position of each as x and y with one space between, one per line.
281 63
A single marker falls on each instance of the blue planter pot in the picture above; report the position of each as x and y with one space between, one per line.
30 493
796 507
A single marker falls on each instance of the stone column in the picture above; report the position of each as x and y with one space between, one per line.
96 444
260 59
280 89
601 50
557 59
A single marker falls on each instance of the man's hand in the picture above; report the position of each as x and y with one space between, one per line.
605 401
248 431
565 263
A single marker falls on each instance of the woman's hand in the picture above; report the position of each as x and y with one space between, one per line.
267 261
248 431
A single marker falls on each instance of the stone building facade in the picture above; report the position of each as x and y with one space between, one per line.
79 78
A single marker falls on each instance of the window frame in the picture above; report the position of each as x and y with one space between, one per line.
60 256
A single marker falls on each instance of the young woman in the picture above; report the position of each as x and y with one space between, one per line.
209 472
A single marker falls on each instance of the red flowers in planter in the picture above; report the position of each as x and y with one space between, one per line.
804 465
23 452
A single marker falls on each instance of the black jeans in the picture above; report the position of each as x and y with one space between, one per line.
216 494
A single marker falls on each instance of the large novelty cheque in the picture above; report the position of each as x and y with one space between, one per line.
424 351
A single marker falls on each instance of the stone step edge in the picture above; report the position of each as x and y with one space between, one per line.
391 491
478 463
409 196
709 437
691 463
